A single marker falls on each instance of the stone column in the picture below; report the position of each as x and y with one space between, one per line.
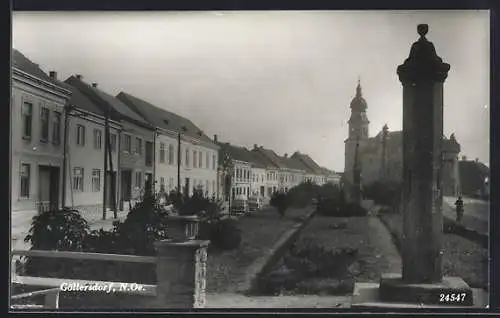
181 274
422 75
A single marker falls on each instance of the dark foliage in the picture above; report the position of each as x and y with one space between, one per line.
303 194
224 234
280 201
383 193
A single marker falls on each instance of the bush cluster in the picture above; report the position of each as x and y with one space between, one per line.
384 193
147 222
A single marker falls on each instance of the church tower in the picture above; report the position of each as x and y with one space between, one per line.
358 130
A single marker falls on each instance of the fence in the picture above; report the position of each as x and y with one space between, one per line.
173 261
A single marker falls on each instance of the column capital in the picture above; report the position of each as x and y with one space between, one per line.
423 64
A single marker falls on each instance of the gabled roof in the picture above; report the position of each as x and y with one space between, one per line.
162 118
266 162
79 100
272 157
105 101
308 161
294 163
24 64
238 153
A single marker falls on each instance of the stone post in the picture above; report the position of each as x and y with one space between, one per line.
422 75
421 283
181 274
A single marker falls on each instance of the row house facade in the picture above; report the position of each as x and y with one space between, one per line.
85 154
195 163
314 172
272 177
37 114
240 172
135 144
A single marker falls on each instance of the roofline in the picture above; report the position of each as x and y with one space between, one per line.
98 116
58 89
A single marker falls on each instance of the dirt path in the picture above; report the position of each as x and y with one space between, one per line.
380 238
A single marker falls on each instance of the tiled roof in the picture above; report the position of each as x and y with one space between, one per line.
273 157
308 161
294 163
105 101
162 118
268 164
472 175
21 62
236 153
79 100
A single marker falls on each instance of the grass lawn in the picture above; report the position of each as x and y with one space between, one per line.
375 255
335 275
260 231
461 257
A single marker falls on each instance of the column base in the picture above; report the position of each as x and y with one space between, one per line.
392 292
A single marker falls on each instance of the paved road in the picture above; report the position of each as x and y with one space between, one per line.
476 213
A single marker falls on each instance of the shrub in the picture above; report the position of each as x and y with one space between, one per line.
331 207
302 195
383 193
280 201
60 230
225 234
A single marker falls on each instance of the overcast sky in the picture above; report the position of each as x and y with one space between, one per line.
283 80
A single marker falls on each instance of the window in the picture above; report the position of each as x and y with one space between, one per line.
162 152
96 180
138 179
112 142
207 160
170 154
171 183
78 179
27 116
138 146
213 186
44 125
80 135
213 162
195 161
206 186
127 141
200 158
97 139
56 128
187 157
25 180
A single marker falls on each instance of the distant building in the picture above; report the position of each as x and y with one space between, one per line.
242 163
272 180
37 115
381 157
314 172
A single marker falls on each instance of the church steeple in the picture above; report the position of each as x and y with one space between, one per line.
358 122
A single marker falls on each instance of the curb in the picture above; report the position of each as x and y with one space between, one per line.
265 262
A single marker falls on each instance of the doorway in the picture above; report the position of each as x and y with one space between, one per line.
149 182
48 188
111 189
126 185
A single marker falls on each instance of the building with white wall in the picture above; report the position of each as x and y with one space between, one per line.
135 142
198 153
85 157
241 163
272 178
37 114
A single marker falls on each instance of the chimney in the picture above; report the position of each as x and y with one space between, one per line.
255 146
94 85
464 158
53 74
79 76
215 138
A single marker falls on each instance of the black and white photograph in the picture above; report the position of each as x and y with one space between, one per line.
184 160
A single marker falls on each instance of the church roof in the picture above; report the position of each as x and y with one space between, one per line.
358 103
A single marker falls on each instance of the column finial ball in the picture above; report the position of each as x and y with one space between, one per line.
422 29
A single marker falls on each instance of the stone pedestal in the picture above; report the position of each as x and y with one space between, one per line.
181 274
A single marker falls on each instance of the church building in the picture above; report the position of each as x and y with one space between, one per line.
380 158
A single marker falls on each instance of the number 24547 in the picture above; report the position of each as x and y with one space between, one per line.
452 297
